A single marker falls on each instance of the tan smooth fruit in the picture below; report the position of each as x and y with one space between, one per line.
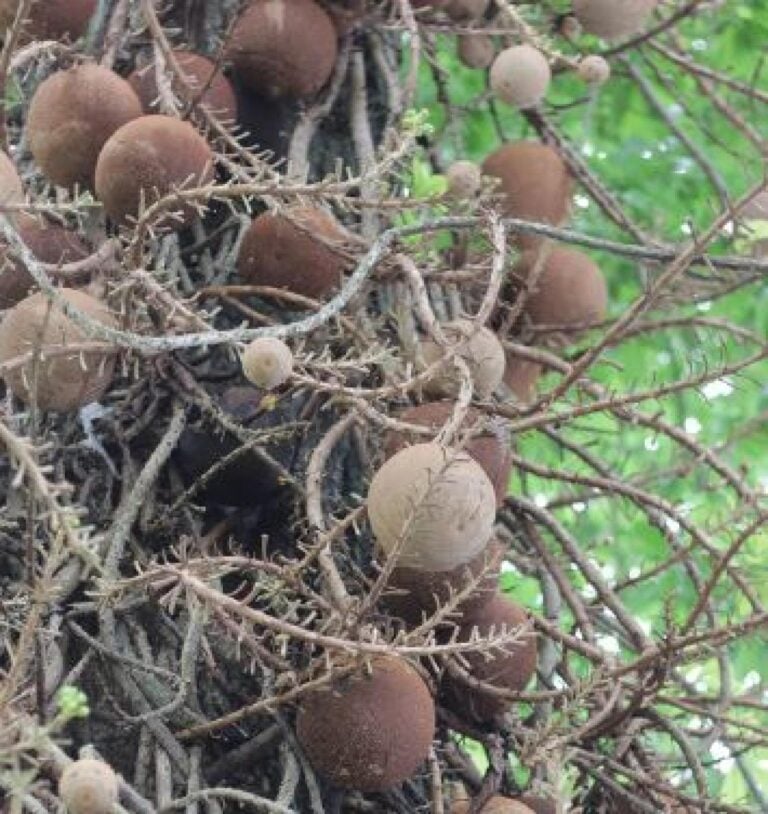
482 352
65 381
267 363
146 160
535 184
570 290
464 179
476 50
48 242
283 48
72 115
613 19
281 251
369 732
439 501
520 76
511 669
88 786
51 19
466 10
594 70
203 82
11 188
496 805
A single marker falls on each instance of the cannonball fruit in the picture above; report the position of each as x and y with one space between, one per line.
282 250
490 449
88 786
594 70
432 507
72 115
48 242
11 189
511 668
267 363
464 179
476 50
534 182
570 290
539 805
146 160
496 805
283 48
521 376
482 352
613 19
64 381
202 82
51 19
369 732
520 76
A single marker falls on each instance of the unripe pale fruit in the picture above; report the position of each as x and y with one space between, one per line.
496 805
438 501
464 179
511 668
65 381
283 48
570 290
11 189
369 732
594 70
282 251
146 160
267 363
51 19
466 10
534 182
482 352
613 19
520 76
476 50
203 82
48 242
72 115
88 786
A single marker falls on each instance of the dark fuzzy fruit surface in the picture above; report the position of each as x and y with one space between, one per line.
148 158
52 19
369 732
63 382
277 253
535 184
72 115
511 669
205 83
283 47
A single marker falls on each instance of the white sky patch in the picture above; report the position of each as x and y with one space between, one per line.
588 592
751 679
683 166
581 201
541 500
664 357
699 45
610 644
651 443
647 154
704 307
672 524
722 754
635 571
579 507
588 149
692 425
685 228
508 568
716 389
645 626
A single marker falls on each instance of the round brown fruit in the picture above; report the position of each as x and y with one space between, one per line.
570 291
11 189
511 669
482 352
466 10
613 19
88 786
203 82
464 179
369 732
72 115
283 48
413 594
476 50
439 501
51 19
65 381
48 242
267 363
146 160
281 250
496 805
490 450
539 805
594 70
534 182
521 377
520 76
